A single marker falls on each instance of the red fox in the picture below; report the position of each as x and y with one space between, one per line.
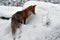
20 17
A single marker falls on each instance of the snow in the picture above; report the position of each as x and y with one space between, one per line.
36 28
8 10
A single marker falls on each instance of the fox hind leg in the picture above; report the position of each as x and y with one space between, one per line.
13 26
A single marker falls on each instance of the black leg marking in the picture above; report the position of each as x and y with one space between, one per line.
24 21
18 26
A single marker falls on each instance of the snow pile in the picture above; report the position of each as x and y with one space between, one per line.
47 11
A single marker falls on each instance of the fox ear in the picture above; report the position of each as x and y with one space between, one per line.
34 5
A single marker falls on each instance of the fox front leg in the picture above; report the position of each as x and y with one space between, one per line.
25 21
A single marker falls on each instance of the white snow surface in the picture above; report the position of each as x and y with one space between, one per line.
35 29
8 11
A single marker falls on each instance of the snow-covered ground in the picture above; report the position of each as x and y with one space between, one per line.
36 28
9 10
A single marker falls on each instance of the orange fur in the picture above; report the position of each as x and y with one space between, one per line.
20 17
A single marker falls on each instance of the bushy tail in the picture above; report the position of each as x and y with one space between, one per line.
6 18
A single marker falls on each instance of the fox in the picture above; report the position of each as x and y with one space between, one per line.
20 18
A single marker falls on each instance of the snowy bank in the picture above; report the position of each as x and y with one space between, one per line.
9 10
